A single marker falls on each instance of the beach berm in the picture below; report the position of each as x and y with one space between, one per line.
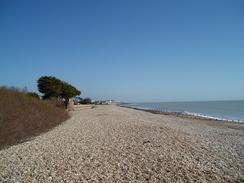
115 144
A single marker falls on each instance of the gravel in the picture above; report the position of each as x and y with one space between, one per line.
115 144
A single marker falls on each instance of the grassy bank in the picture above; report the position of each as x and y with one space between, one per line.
23 116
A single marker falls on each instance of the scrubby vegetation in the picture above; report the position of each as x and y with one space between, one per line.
23 116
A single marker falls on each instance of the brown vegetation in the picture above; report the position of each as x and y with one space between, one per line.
23 116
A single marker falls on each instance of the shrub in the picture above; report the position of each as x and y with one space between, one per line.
22 117
33 94
57 102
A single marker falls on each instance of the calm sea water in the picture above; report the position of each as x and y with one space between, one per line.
227 110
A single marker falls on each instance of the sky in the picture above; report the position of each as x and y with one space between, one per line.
126 50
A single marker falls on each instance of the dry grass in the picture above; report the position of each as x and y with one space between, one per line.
22 116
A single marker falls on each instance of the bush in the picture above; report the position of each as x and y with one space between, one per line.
22 117
87 101
33 94
57 102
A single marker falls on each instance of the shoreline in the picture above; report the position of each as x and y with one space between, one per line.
210 121
213 110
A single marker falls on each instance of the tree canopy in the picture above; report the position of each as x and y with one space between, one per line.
52 87
87 101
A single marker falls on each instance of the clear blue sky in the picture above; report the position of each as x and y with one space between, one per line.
131 51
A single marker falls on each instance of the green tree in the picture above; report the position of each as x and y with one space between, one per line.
53 87
87 101
49 86
68 91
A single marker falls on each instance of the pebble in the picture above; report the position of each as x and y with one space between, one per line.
115 144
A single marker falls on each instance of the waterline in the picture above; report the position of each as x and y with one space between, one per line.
219 110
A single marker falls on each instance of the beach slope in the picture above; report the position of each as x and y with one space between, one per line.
115 144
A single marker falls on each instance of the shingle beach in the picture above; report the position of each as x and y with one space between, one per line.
115 144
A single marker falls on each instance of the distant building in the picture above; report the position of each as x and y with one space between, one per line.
106 102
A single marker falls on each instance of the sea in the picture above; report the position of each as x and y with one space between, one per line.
222 110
